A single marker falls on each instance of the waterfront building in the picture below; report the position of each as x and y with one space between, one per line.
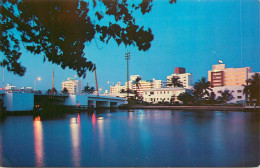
27 89
156 95
117 88
237 93
10 88
185 78
72 85
143 85
222 76
148 84
159 84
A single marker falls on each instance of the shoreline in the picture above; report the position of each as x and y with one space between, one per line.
221 108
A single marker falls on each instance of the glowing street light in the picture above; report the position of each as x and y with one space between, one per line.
37 79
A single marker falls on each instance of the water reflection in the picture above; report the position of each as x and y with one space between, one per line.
133 138
38 142
1 150
101 137
75 139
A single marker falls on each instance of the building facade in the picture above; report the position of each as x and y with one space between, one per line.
221 76
72 85
185 78
237 93
117 88
162 94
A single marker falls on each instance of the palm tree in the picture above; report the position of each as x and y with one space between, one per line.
122 91
202 88
226 96
88 89
175 82
186 98
52 91
212 99
65 91
253 88
137 84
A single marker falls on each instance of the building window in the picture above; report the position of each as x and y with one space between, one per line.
219 91
152 93
239 91
239 97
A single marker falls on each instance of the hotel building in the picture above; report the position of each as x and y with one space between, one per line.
72 85
117 88
233 79
222 76
162 94
185 78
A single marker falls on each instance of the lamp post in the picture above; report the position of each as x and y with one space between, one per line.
37 79
108 82
127 57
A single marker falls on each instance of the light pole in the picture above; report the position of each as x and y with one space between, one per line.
108 82
3 77
127 57
37 79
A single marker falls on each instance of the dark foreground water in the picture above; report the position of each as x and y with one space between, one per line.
132 138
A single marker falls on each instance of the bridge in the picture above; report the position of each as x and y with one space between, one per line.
17 101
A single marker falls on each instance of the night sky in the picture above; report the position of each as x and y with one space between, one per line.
193 34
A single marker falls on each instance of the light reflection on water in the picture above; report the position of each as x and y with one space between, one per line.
1 151
75 139
136 138
38 142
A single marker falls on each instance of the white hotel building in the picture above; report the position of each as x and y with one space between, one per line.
185 78
72 85
162 94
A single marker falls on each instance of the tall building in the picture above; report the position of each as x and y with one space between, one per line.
117 88
73 86
159 84
222 76
185 78
147 84
143 85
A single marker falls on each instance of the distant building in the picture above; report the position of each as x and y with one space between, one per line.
10 88
238 95
162 94
27 89
117 88
185 78
72 85
143 84
159 84
222 76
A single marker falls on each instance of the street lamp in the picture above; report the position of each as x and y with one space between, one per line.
100 89
37 79
127 57
108 82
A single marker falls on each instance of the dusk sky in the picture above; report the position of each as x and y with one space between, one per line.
193 34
